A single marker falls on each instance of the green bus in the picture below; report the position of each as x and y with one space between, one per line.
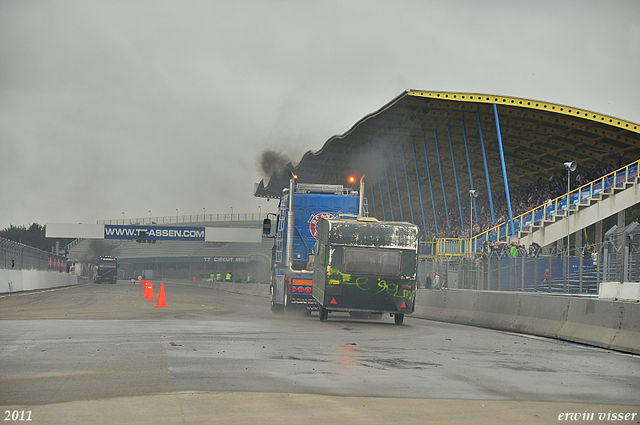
364 266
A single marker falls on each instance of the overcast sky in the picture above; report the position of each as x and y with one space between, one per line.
109 107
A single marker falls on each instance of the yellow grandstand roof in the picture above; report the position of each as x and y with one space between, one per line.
388 145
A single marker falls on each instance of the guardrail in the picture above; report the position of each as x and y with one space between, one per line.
560 204
188 218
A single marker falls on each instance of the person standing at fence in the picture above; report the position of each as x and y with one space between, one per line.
594 257
427 283
586 254
534 249
436 281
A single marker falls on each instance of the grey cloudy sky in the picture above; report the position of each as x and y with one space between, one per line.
111 107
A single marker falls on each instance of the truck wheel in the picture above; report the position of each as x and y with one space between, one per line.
275 308
324 314
398 318
286 305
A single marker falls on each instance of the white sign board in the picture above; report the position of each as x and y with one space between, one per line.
67 230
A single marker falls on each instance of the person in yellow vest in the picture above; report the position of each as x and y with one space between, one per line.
228 278
249 278
218 277
212 277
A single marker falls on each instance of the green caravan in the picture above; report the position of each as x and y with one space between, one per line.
364 267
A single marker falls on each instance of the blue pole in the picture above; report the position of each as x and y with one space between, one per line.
384 216
466 149
433 203
444 195
373 202
395 172
486 171
406 176
455 177
389 192
415 161
504 167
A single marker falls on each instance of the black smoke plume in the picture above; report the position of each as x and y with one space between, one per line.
272 162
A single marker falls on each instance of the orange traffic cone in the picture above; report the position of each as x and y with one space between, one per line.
149 292
161 302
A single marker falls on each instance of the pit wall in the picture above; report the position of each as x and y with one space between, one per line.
28 280
602 323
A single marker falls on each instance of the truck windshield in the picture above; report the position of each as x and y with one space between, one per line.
372 261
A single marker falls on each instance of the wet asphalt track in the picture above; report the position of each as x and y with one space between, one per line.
100 353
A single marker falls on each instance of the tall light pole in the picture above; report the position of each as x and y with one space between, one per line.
472 195
176 215
260 214
204 214
123 217
231 213
569 166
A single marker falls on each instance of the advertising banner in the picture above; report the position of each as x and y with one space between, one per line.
159 233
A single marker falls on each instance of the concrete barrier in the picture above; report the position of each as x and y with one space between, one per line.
627 291
601 323
28 280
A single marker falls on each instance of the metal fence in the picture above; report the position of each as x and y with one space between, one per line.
17 256
617 260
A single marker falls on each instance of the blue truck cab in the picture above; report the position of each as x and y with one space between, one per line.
301 207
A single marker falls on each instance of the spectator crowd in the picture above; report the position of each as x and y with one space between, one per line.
523 198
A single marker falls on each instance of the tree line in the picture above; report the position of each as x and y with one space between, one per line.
32 235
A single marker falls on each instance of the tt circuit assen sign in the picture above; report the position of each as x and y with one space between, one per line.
159 233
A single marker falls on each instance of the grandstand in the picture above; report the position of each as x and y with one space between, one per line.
424 153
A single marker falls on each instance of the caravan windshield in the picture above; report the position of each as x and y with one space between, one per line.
372 261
